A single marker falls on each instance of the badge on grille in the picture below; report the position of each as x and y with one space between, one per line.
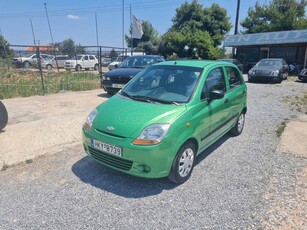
110 128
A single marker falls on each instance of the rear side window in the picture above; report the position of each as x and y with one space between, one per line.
234 77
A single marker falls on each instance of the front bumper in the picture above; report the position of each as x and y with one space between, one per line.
264 78
143 161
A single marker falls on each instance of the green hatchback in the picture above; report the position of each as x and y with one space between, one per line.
165 116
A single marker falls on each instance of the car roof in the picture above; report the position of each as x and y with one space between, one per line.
272 59
144 56
190 63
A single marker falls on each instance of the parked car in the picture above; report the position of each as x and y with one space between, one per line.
166 116
51 62
271 69
234 61
83 61
114 64
303 75
3 116
116 79
30 59
105 61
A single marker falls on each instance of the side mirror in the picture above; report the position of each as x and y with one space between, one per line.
116 66
216 94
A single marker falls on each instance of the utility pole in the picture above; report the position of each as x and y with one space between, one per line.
236 26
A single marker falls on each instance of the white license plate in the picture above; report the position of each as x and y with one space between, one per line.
106 147
119 86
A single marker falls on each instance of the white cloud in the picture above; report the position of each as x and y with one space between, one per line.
73 17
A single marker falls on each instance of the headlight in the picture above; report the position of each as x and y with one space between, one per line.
105 78
274 73
251 72
152 134
89 120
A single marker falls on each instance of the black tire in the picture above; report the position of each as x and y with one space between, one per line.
96 67
49 67
238 128
78 68
3 116
183 163
26 64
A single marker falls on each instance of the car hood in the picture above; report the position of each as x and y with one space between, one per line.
123 72
127 118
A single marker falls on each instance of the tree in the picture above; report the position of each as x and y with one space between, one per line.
68 47
5 51
201 29
149 41
277 15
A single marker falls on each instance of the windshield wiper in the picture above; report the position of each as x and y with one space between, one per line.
125 94
151 100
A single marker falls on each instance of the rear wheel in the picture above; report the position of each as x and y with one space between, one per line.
3 116
238 128
96 67
78 68
183 164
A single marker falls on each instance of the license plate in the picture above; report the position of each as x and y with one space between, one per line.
119 86
106 147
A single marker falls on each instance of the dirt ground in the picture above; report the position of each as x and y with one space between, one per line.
49 124
43 125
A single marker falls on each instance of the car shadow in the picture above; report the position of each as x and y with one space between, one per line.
101 177
104 95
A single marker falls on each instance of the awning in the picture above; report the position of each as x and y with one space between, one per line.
270 38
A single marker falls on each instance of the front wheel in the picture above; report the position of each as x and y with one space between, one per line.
183 164
49 67
238 128
96 67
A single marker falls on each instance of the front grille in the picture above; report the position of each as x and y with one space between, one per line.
262 72
119 80
109 134
110 160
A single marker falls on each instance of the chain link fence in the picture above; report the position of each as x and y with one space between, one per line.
37 70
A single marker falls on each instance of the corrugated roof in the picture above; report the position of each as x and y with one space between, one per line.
270 38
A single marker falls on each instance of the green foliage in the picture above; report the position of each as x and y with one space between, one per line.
201 29
5 51
20 83
148 42
277 15
69 48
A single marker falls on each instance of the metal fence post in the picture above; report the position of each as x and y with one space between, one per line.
40 69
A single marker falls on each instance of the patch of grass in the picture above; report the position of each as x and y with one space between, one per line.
281 128
298 103
25 83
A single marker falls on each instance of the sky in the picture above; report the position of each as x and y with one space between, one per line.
76 19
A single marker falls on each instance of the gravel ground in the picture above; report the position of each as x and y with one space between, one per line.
238 183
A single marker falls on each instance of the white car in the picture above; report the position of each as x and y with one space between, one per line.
84 61
30 59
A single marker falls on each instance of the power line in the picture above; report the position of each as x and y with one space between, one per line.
91 10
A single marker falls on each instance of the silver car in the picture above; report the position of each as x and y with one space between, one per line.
51 62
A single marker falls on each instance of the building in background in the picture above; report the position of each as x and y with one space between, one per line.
289 45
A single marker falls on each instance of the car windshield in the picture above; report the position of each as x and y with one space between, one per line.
273 63
163 84
140 61
48 58
78 57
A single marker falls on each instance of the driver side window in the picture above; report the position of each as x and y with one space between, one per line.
215 81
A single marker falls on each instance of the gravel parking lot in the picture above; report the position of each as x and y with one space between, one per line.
244 182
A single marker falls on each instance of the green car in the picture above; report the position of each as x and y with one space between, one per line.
165 116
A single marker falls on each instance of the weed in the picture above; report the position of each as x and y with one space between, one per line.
281 128
5 166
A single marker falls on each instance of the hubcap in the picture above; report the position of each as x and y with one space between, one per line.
186 162
240 122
